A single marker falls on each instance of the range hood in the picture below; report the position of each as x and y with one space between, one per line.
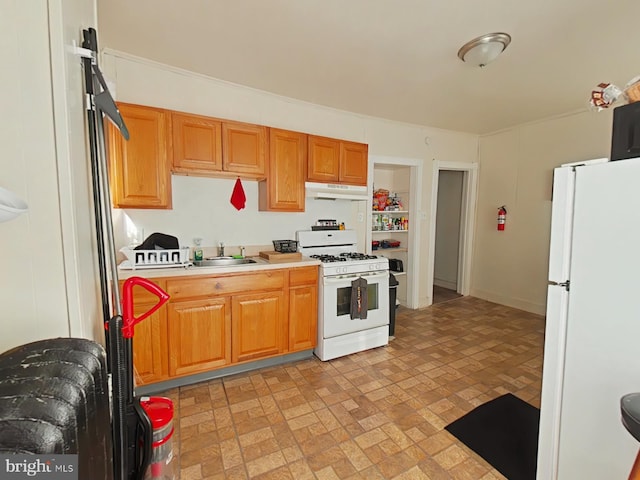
332 191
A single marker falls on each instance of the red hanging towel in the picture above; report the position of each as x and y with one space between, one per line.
238 198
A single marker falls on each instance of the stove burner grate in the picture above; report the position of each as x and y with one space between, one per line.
344 257
329 258
358 256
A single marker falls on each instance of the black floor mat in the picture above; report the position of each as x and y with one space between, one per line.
504 432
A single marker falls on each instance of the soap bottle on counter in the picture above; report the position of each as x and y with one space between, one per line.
197 251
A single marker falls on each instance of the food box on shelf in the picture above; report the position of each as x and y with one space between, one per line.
389 243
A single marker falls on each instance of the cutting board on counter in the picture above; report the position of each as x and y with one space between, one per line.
274 256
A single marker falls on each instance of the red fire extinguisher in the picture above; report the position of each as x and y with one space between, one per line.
502 217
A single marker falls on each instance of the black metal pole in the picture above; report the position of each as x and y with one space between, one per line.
114 341
89 42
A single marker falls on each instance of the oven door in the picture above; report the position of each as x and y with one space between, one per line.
336 303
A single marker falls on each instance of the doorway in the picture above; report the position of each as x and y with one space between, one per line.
453 204
447 245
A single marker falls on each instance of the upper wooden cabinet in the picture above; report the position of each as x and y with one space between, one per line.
354 159
196 144
324 159
212 147
139 168
283 189
244 149
165 141
337 161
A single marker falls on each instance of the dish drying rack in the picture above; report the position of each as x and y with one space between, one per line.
178 257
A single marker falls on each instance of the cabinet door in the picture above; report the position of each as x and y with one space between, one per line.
197 144
259 328
244 148
353 163
139 168
324 159
150 345
283 190
199 335
303 317
303 308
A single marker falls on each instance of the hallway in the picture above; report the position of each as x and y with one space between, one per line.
377 414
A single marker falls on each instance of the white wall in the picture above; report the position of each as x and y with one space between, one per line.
67 19
148 83
43 250
516 170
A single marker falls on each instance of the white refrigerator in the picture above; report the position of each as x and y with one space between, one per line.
592 333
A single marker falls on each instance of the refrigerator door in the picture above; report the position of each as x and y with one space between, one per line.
555 337
561 224
602 359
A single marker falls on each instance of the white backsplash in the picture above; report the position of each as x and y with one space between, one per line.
201 209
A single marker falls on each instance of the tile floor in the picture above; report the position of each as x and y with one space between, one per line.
441 294
377 414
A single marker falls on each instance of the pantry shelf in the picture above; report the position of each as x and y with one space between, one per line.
382 251
383 212
398 274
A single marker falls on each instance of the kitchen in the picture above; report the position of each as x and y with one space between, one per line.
515 170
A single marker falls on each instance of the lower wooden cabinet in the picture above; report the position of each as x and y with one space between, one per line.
215 321
303 316
199 335
150 345
258 329
303 308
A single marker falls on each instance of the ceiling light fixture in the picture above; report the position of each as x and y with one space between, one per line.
483 50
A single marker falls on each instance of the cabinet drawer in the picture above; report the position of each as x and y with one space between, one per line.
224 285
303 276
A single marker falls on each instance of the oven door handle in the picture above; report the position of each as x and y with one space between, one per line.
376 274
367 275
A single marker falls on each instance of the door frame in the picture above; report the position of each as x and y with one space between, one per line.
413 253
467 222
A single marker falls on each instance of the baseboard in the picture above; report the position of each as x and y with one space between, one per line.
445 284
222 372
520 304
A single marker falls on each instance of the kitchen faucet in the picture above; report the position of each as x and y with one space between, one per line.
221 249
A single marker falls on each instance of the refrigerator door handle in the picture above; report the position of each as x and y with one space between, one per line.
566 284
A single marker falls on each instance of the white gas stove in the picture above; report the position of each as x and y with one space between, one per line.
339 333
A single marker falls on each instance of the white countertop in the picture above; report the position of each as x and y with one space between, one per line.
261 264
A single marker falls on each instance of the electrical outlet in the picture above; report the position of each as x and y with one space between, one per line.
360 217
